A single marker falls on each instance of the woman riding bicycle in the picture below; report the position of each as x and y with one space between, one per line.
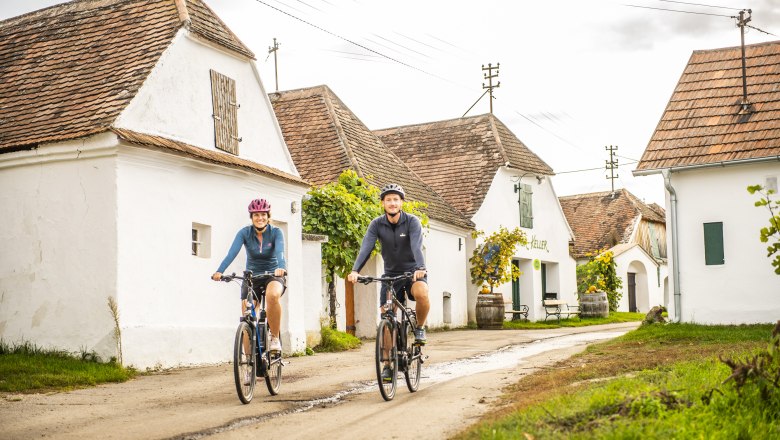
264 244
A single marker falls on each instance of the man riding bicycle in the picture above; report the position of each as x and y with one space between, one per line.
264 244
400 235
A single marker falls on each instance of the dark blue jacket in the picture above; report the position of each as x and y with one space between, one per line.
401 244
258 260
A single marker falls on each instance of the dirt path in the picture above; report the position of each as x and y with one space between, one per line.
202 402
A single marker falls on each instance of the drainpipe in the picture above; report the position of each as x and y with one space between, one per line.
675 248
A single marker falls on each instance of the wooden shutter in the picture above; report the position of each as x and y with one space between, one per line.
223 98
526 206
713 243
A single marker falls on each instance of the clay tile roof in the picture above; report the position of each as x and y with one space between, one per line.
68 71
460 157
702 123
325 138
600 220
217 157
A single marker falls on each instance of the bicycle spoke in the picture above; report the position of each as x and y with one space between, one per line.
244 362
386 360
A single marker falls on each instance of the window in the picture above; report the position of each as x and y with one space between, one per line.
201 240
526 207
713 243
223 99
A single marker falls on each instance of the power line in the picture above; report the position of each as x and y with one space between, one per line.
699 4
354 43
677 10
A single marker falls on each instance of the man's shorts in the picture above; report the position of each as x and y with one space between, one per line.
259 286
402 287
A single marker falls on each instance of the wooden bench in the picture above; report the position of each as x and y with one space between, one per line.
556 307
516 314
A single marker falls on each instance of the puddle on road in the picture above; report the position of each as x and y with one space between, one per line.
505 357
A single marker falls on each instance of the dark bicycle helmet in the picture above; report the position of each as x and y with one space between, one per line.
259 205
392 188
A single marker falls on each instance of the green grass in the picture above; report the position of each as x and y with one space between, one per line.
334 340
605 393
28 368
614 317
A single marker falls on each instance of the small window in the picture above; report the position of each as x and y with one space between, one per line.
713 244
526 206
223 98
201 240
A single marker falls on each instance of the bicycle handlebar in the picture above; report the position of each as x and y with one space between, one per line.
367 280
233 276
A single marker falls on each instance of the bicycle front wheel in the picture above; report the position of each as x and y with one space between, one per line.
273 373
413 360
386 359
244 361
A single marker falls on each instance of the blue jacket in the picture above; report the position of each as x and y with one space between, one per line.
267 259
401 244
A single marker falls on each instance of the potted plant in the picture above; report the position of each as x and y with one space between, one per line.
599 285
491 265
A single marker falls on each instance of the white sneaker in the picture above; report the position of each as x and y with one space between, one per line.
275 344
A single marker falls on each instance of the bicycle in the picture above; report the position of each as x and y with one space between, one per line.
252 337
395 345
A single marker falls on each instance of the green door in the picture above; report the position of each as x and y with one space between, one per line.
516 289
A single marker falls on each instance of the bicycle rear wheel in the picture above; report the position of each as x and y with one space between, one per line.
244 361
273 372
386 356
413 360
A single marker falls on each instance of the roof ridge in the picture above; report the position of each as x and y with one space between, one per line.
499 143
460 119
725 49
343 141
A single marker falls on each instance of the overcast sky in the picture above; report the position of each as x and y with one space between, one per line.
575 76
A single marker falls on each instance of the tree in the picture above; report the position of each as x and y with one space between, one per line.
772 232
342 210
600 273
491 261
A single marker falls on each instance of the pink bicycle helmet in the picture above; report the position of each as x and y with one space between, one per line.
259 205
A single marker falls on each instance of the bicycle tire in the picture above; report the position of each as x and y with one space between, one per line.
387 389
273 370
413 361
244 363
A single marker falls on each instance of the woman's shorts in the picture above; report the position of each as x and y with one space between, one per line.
259 285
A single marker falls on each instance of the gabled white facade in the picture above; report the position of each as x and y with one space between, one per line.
546 259
650 278
100 218
744 289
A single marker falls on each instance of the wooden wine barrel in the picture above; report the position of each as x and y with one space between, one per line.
594 305
490 311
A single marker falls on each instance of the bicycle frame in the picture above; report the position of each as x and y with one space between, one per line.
395 349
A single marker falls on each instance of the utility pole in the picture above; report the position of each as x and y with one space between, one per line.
489 76
742 21
612 165
273 49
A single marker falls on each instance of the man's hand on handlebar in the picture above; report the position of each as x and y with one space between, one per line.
353 277
418 275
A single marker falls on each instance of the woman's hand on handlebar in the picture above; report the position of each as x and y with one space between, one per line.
217 276
280 272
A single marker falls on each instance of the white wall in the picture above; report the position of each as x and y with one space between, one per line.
745 288
175 102
550 233
165 295
311 270
58 229
648 291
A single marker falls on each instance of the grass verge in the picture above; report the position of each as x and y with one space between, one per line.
28 368
659 381
334 340
614 317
